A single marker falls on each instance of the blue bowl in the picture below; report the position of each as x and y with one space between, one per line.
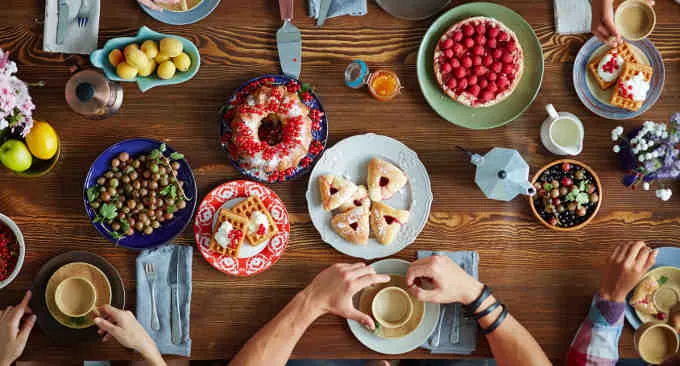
100 59
584 93
194 15
321 135
168 230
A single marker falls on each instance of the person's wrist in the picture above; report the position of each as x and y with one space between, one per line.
612 296
472 292
152 355
311 303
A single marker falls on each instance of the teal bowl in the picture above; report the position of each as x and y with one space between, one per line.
100 59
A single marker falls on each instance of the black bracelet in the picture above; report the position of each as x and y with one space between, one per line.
486 311
498 321
473 306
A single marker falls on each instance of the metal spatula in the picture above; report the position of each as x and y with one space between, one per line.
289 42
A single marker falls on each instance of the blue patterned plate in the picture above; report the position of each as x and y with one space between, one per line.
668 256
194 15
602 109
320 136
168 230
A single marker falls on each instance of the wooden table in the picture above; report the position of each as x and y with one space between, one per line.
546 279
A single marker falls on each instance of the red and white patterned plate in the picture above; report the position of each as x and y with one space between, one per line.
271 250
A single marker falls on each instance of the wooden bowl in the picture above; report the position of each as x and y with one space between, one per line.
599 191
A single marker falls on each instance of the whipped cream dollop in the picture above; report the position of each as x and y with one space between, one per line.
257 218
637 87
610 67
222 234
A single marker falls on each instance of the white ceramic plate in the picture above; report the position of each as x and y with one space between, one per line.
350 158
399 345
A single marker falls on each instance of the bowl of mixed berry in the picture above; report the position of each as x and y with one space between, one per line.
568 195
12 250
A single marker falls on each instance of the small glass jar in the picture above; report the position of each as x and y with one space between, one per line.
382 84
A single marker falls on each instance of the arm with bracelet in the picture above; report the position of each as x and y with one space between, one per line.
510 342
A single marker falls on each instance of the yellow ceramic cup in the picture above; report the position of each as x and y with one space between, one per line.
635 19
75 297
656 341
392 307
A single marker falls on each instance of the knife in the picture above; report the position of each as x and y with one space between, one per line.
323 12
173 279
62 21
289 42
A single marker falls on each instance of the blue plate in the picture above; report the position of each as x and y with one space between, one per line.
668 256
321 135
606 110
168 230
100 59
194 15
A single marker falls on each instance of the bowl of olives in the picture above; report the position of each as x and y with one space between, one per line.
568 195
140 193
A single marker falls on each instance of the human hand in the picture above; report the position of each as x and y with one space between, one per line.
332 290
16 324
124 327
450 282
624 269
602 24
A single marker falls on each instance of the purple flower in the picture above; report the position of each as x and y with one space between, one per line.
629 179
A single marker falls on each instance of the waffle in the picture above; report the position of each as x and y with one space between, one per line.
246 208
239 223
624 51
629 70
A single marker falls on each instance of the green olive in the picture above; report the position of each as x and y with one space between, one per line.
108 175
155 224
148 230
154 168
139 226
114 182
175 165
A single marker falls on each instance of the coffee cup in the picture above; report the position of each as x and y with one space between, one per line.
562 132
392 307
635 19
75 297
656 341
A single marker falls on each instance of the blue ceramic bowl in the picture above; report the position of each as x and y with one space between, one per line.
668 256
169 229
321 135
100 59
194 15
606 110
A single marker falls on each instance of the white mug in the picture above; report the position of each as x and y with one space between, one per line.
562 133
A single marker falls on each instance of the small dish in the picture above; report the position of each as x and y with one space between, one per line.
655 342
193 15
19 237
557 171
99 58
392 307
635 19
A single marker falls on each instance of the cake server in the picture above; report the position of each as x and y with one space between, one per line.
289 42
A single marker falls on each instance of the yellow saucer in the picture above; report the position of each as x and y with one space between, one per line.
366 299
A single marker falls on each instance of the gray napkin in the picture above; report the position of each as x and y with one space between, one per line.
572 16
339 8
76 39
161 258
458 334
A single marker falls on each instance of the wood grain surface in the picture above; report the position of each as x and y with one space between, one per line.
546 278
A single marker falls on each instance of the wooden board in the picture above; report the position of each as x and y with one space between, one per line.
546 279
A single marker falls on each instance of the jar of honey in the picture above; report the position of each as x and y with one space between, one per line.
382 84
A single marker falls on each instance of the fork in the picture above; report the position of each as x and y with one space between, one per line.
83 13
150 270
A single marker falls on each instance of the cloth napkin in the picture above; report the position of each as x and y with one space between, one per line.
161 258
458 334
339 8
572 16
76 39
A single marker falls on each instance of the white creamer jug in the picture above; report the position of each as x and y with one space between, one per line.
562 133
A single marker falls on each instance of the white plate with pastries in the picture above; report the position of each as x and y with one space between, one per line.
398 181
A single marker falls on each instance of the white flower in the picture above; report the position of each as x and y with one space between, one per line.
616 149
634 140
648 156
615 137
619 130
650 143
3 124
664 135
641 157
648 124
664 194
645 186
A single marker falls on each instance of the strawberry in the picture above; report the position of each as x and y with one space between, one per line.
448 53
488 60
503 37
455 63
446 68
448 43
459 73
472 80
468 30
480 39
477 60
457 36
492 32
497 67
467 62
507 58
492 76
478 50
468 42
474 90
451 84
483 83
491 43
480 70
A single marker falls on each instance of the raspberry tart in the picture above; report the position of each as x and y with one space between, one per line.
478 62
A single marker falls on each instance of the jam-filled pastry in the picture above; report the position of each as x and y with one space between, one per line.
352 225
335 191
384 180
642 297
358 199
386 221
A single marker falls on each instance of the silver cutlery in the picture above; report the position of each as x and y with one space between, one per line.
324 6
150 271
62 20
173 279
289 42
434 341
83 13
181 293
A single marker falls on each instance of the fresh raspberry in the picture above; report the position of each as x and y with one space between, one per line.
503 37
478 50
446 68
477 60
458 49
492 43
448 53
469 42
467 62
492 76
483 83
452 83
459 73
474 90
507 58
480 70
455 63
448 43
306 97
462 84
468 30
457 36
472 80
498 54
497 67
492 32
480 39
481 28
488 60
486 95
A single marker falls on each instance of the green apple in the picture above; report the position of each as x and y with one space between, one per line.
15 155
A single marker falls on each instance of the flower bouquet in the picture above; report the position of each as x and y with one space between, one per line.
26 146
650 155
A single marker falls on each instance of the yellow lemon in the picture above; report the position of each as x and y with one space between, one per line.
42 140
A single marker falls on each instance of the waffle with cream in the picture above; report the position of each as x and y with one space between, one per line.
606 68
261 226
227 235
632 87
